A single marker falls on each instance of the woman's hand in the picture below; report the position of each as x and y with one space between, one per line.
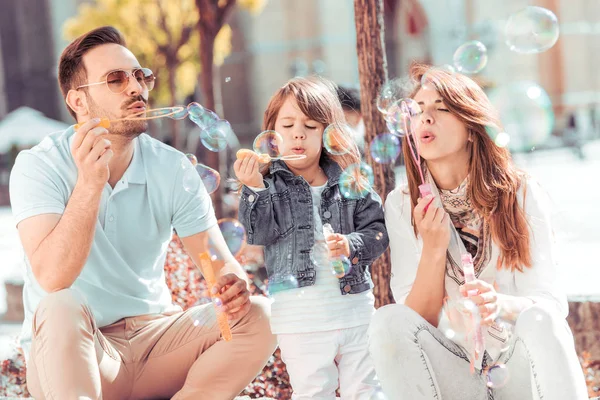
246 170
432 225
486 300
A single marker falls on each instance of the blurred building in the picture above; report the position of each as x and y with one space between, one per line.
288 38
318 36
27 58
292 37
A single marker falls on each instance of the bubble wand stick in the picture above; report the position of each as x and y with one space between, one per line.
424 188
209 275
469 272
265 158
149 114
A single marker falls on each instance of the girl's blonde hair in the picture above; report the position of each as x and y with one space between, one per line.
317 99
494 180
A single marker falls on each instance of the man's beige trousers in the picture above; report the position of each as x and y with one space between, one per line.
179 356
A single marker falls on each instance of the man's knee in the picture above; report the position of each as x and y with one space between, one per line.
63 308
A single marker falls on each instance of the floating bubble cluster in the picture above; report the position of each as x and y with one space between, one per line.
214 132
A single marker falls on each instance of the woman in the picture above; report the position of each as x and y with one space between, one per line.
424 346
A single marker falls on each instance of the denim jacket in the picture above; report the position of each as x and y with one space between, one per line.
281 219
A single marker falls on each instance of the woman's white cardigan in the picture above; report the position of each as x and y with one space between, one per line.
538 283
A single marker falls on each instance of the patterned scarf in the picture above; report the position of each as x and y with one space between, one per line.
465 219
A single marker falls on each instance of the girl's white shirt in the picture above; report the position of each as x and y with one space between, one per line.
320 307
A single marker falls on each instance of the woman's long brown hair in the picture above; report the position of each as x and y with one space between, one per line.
493 178
317 99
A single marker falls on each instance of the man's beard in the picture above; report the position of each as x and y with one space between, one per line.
129 129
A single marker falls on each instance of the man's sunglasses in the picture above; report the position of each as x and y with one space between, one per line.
118 80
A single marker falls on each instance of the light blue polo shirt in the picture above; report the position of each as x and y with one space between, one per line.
124 273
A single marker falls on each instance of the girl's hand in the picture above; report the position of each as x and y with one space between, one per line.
486 299
246 170
338 246
432 225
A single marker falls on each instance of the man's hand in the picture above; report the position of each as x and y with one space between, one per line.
234 295
92 153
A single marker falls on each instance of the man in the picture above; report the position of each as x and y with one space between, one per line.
350 99
95 209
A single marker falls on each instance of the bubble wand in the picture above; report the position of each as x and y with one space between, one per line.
267 145
178 112
469 273
264 158
209 275
424 188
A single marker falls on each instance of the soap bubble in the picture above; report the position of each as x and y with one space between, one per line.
233 233
356 181
201 116
195 110
385 148
192 158
497 376
471 57
210 178
397 127
268 142
337 139
391 91
192 170
214 138
531 30
179 113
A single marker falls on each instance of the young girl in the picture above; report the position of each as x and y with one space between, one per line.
484 207
321 319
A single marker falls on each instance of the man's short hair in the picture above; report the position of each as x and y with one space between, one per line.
71 71
349 97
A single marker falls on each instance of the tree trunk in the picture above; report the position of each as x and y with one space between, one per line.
372 69
390 8
207 43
